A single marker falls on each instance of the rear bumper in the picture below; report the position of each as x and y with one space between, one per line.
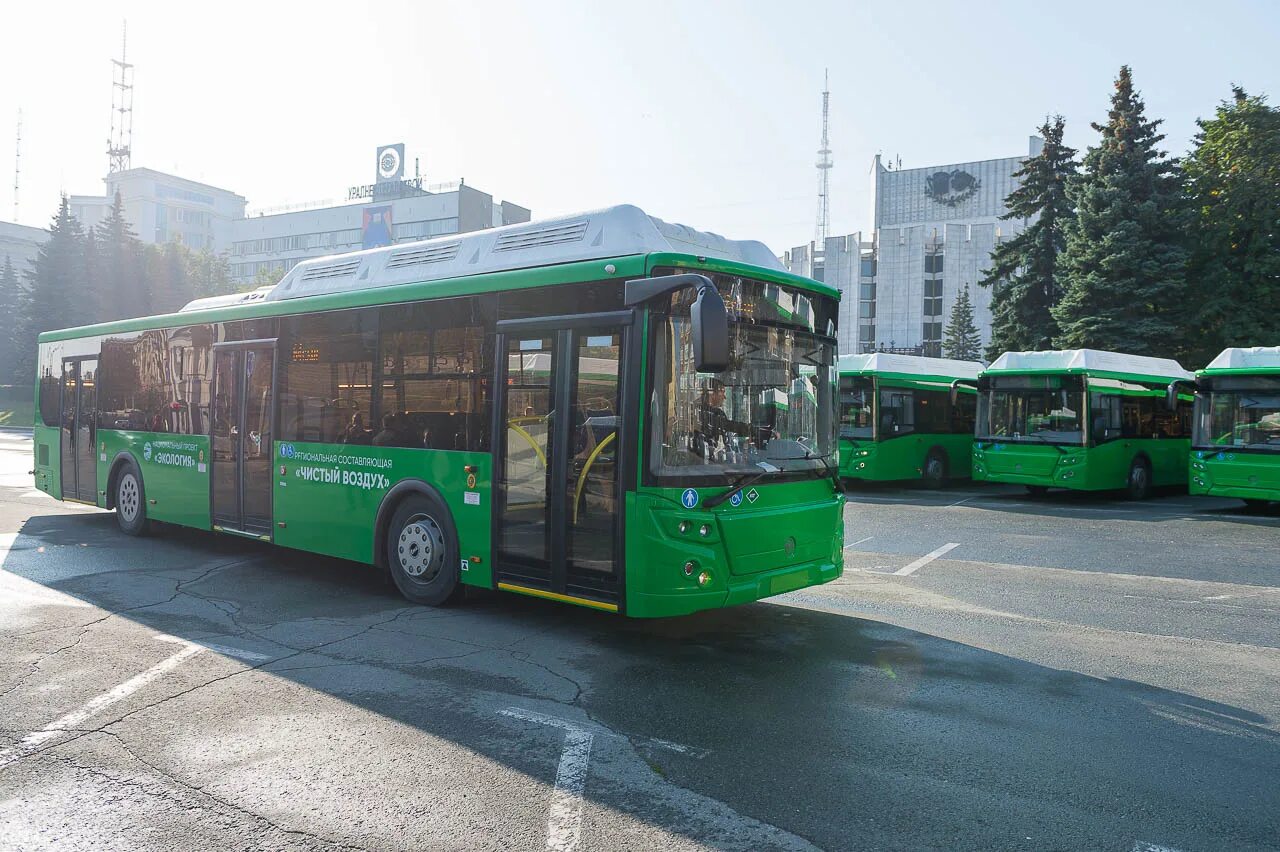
744 589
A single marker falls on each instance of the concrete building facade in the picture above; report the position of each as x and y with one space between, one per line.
21 244
162 207
935 229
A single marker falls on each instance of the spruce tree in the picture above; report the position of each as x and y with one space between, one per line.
118 268
1124 267
1233 178
11 309
1023 274
209 274
56 286
961 339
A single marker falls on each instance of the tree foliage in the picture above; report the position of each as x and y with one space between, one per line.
961 339
1124 265
1233 178
12 307
1024 274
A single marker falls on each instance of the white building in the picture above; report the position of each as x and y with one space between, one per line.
935 229
277 242
162 207
21 244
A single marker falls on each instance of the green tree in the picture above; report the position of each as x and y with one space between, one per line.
961 339
1233 176
12 307
1124 267
1024 274
57 286
209 274
168 274
118 268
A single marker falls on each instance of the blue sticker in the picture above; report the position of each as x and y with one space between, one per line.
736 499
287 451
689 498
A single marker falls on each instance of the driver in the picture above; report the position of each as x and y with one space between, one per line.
713 424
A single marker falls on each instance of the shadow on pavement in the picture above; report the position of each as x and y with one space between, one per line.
847 732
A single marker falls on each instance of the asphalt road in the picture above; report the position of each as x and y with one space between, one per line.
992 672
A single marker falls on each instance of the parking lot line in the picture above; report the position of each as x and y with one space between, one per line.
95 705
564 823
859 541
911 568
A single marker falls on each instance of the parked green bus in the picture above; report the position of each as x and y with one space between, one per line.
1081 419
585 410
1236 439
898 421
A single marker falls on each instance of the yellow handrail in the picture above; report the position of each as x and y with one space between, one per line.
582 477
542 457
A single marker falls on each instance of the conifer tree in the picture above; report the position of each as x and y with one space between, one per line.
209 274
961 339
1124 267
12 308
118 268
1023 274
1233 178
56 286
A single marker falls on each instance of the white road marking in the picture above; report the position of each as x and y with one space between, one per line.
27 593
958 502
564 823
226 650
907 570
1144 846
95 705
859 541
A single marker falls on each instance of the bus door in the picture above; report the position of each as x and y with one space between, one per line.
558 442
79 430
240 434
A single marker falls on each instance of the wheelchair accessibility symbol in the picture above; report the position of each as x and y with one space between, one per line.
689 498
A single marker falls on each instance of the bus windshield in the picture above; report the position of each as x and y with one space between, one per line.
857 402
1046 409
1245 414
773 410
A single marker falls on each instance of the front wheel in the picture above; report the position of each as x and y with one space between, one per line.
422 551
1138 485
131 501
935 470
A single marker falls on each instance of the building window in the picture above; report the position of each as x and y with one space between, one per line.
867 291
867 310
867 333
868 267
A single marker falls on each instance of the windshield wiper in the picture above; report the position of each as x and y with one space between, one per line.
741 483
832 470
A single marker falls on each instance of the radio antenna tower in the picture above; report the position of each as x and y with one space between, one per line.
824 169
17 165
120 142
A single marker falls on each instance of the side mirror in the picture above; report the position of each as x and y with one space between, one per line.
710 331
955 388
1171 393
708 315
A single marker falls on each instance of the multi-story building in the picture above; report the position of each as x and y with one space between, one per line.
935 229
162 207
276 242
21 244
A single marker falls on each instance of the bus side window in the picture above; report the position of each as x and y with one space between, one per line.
1106 423
964 414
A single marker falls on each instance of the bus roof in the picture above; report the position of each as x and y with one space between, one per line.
1091 361
612 232
909 365
1241 359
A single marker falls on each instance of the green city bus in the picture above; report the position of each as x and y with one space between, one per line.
583 409
1081 419
898 421
1236 438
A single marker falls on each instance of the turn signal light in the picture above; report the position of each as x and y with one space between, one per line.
704 578
689 568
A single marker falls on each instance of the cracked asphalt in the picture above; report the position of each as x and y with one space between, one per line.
1073 674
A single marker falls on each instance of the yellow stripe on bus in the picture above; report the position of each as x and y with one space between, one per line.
554 596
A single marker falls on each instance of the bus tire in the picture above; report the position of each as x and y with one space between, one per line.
1037 490
422 551
1138 484
935 469
1254 504
130 498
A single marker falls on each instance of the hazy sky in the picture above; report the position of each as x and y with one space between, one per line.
703 113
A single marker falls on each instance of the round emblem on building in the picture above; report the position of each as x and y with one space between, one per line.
388 163
952 188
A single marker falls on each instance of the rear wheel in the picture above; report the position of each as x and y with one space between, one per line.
1253 503
131 501
1138 485
935 469
422 551
1037 490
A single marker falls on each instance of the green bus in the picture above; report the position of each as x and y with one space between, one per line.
1081 419
1236 439
581 409
898 420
